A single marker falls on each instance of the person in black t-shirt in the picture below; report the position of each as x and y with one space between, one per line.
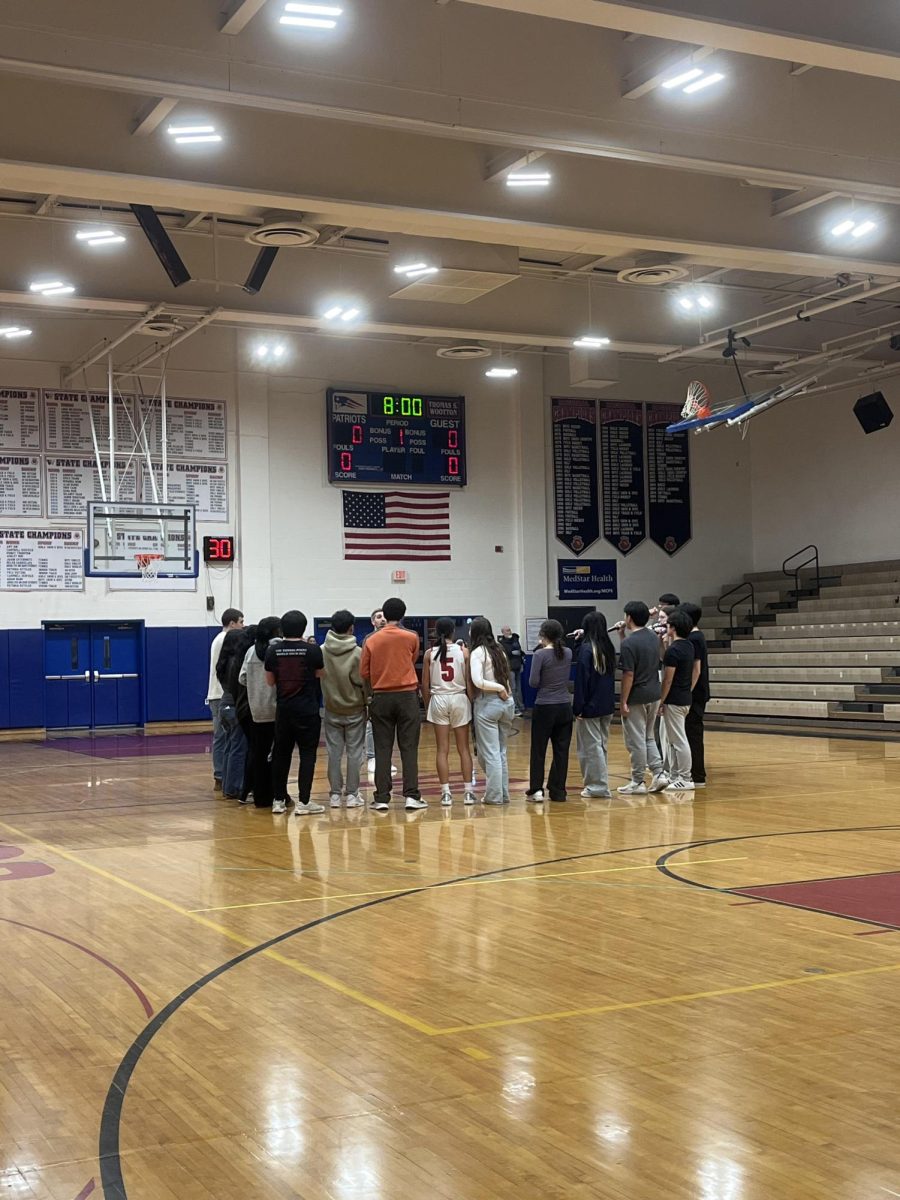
294 667
693 725
675 700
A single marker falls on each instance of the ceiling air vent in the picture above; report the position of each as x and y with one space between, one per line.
652 276
464 351
285 234
161 327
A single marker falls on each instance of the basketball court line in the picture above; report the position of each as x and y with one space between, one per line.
425 887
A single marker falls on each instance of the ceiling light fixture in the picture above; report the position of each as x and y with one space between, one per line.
311 16
855 228
589 342
269 352
52 287
185 135
691 81
692 299
682 79
528 179
99 237
501 372
700 84
341 312
14 331
416 270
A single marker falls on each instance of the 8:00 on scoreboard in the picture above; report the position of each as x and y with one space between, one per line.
396 437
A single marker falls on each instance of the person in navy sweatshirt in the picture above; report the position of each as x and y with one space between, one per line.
594 704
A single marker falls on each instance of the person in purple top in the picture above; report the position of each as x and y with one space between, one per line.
552 718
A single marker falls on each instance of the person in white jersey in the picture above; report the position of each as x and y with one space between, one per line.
445 691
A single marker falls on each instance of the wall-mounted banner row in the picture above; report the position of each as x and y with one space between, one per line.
195 429
73 481
633 463
41 560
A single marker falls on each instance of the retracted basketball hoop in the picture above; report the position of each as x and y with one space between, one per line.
697 402
148 565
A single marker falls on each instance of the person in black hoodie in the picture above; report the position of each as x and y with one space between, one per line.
235 712
512 648
594 704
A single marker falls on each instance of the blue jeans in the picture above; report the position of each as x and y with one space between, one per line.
220 736
235 759
493 723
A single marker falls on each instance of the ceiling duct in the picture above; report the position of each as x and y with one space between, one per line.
465 270
286 234
653 276
161 326
464 351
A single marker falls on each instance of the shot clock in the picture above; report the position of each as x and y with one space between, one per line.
396 437
218 549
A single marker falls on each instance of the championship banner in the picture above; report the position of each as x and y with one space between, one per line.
575 473
622 466
41 560
669 474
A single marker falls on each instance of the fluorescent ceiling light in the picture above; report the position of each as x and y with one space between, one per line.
842 228
686 303
693 298
266 351
704 301
9 334
331 313
591 343
502 372
342 313
528 179
315 10
99 237
308 22
53 287
416 270
707 81
864 228
177 130
684 77
193 138
189 134
350 315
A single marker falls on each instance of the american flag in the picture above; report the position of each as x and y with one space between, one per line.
397 526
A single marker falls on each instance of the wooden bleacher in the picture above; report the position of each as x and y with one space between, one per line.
820 652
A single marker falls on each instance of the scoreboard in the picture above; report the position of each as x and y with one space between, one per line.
396 437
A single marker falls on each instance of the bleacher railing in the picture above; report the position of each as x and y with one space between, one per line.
741 593
792 566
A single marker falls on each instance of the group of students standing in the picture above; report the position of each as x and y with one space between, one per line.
267 683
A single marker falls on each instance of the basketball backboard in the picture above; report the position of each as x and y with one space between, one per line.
122 537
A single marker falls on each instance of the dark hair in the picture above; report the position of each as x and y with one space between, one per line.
375 612
694 611
235 646
293 623
669 598
268 628
680 622
230 615
342 621
481 633
553 632
444 627
602 652
638 611
394 609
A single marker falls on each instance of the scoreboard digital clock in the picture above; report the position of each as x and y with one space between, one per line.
396 437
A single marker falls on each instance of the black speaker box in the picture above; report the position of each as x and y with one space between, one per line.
873 412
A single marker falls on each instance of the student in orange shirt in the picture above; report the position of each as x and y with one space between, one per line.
389 669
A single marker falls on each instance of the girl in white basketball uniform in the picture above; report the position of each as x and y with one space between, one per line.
445 690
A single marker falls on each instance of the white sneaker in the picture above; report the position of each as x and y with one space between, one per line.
535 797
471 798
335 800
446 799
412 803
301 810
278 806
680 785
355 800
380 805
633 789
659 782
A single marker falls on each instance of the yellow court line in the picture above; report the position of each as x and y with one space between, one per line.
431 887
308 972
659 1002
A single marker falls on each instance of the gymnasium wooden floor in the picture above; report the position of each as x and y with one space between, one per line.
198 1000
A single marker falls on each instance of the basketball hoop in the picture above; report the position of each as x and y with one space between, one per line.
148 565
697 402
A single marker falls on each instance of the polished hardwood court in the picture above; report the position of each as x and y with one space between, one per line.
598 1000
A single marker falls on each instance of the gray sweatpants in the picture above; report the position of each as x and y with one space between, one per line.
679 747
639 740
344 735
592 738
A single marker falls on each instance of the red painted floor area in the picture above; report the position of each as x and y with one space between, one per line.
874 898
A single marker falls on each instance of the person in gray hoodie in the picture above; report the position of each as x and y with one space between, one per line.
261 698
345 710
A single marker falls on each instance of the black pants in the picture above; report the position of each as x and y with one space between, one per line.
693 727
396 714
550 723
302 731
246 723
262 735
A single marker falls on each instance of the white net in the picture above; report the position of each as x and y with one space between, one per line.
148 565
697 402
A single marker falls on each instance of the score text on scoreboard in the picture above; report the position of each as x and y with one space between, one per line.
395 437
218 549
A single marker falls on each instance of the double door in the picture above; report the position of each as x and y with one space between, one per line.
92 674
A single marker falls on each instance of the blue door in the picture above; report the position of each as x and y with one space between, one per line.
92 674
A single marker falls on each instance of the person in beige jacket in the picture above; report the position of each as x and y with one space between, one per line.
345 710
